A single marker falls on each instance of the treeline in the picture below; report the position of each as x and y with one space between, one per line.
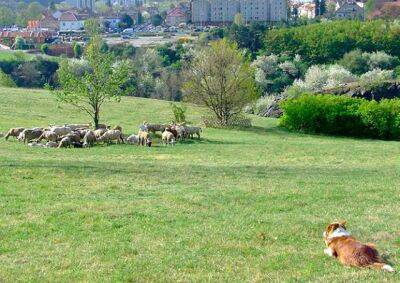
327 42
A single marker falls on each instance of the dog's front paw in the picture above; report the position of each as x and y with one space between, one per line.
328 252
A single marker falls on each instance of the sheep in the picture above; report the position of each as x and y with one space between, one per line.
51 144
48 135
65 142
13 132
61 131
133 139
30 134
156 128
172 130
182 131
36 144
77 144
89 139
191 131
111 135
74 136
75 127
143 137
99 132
82 132
168 138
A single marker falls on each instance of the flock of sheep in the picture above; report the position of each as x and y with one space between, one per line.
82 136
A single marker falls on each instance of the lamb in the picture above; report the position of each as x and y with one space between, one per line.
99 132
48 135
191 131
133 139
65 142
14 132
51 144
89 139
61 131
143 137
111 135
168 138
30 134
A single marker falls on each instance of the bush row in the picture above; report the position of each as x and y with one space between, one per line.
341 115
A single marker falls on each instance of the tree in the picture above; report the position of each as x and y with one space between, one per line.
126 21
156 20
92 27
7 16
220 77
19 43
77 50
87 84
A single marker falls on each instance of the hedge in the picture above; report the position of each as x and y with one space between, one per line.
341 115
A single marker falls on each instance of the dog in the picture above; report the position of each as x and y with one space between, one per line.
349 251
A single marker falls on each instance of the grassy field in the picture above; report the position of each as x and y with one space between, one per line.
239 205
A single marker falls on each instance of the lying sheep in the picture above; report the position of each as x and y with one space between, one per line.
14 132
51 144
65 142
99 132
191 131
133 139
61 131
89 139
110 136
48 135
168 138
30 134
36 144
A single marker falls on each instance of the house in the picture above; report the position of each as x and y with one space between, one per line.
349 10
306 10
34 38
112 21
176 16
48 21
70 21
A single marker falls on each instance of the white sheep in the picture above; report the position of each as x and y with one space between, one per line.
110 136
133 139
89 139
61 131
51 144
168 138
14 132
65 142
30 134
48 135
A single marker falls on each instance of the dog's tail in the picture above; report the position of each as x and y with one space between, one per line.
383 266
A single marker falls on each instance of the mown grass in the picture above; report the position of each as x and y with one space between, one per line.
239 205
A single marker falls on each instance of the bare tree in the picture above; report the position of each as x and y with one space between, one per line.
220 77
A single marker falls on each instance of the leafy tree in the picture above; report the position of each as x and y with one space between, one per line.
87 84
126 21
156 20
220 77
19 43
7 16
77 50
92 27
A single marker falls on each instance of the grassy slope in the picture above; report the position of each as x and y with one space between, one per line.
239 205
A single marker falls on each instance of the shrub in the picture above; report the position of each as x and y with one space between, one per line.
341 115
179 113
6 80
44 48
375 78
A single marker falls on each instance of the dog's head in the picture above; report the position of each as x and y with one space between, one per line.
334 228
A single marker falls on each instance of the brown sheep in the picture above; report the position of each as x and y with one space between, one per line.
14 132
30 134
65 142
74 136
111 135
99 132
48 135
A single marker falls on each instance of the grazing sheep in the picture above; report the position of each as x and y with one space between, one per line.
48 135
61 131
51 144
65 142
89 139
99 132
156 128
30 134
13 132
75 127
111 135
191 131
143 137
172 130
133 139
74 136
182 131
168 138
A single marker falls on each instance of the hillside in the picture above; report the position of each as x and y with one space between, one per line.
239 205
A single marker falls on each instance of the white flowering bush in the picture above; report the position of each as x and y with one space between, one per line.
375 78
339 76
380 60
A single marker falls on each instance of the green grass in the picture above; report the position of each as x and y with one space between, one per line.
239 205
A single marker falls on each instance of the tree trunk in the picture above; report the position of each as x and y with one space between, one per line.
96 119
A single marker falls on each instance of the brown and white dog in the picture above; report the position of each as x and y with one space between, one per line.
349 251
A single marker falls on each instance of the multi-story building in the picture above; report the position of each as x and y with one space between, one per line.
82 4
224 11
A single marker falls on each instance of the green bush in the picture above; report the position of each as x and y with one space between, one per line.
6 80
342 115
179 113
